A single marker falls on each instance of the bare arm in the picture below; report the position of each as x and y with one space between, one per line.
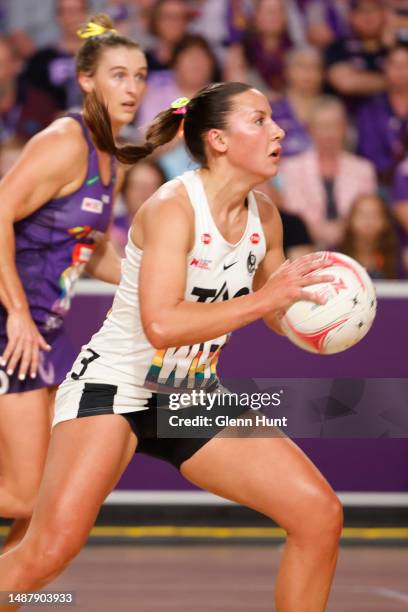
351 82
168 319
37 177
105 263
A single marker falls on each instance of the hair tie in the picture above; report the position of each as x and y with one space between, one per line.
93 29
179 106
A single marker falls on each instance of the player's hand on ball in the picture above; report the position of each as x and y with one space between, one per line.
286 285
24 344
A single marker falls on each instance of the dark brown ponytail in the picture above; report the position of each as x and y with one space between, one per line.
97 118
161 131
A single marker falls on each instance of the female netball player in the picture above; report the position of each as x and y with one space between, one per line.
192 247
55 209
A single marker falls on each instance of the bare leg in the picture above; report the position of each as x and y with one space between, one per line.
27 482
86 458
274 477
24 438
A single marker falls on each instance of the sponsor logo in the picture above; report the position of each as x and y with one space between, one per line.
93 206
202 264
255 238
206 239
82 253
251 262
105 199
227 267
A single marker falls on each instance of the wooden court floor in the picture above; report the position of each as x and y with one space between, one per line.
223 579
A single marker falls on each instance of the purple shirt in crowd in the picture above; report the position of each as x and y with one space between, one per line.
297 138
381 134
400 183
270 65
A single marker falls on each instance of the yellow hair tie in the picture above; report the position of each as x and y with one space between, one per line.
93 29
179 106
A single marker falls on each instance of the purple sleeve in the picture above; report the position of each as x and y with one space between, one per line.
400 184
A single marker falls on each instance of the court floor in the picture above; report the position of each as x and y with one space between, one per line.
223 578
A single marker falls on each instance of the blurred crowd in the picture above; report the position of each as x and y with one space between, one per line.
335 72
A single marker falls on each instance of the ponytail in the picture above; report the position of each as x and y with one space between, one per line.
162 130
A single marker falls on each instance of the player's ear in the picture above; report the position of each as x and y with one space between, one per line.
86 82
217 141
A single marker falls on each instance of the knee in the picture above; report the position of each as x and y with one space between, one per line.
20 507
45 555
322 521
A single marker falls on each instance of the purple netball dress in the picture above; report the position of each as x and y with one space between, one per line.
53 245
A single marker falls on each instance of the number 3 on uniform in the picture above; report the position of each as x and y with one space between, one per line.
85 363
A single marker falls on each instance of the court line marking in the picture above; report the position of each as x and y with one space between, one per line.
384 289
203 498
225 533
389 594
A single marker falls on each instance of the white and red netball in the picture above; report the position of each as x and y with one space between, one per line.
344 319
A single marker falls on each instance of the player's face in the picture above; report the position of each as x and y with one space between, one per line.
252 137
121 80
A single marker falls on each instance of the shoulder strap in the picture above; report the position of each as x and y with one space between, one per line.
85 130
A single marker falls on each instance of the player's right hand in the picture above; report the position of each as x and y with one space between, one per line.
286 285
23 346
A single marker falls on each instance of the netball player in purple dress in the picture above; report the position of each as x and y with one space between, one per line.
55 210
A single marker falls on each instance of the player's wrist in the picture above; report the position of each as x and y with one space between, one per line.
18 308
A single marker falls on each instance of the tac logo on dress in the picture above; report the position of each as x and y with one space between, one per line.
206 238
93 206
255 238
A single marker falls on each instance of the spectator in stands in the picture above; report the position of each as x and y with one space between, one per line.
210 20
304 76
10 151
321 184
355 62
24 110
370 237
296 238
259 58
52 69
326 21
383 120
30 25
400 204
168 23
397 20
132 18
141 182
193 67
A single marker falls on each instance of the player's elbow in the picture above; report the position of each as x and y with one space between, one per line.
158 334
